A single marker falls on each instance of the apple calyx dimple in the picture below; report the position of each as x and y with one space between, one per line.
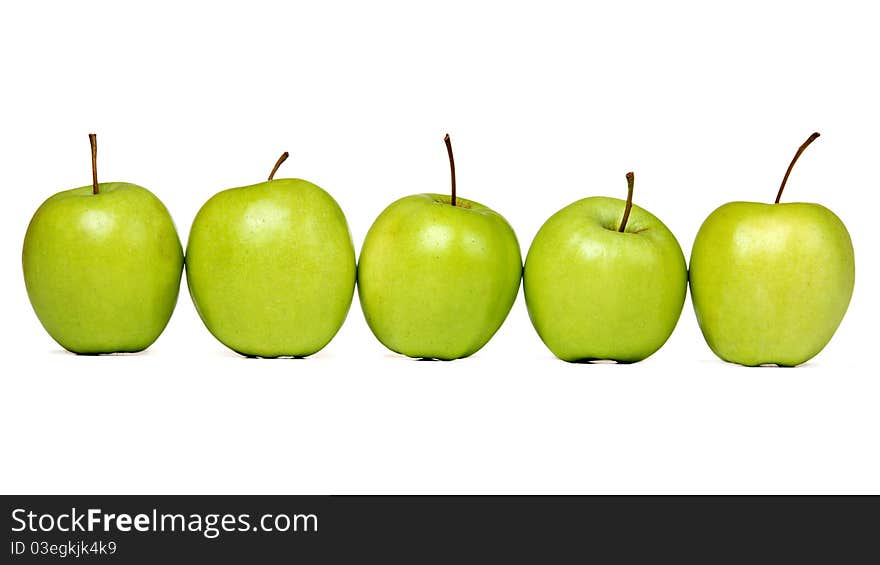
797 154
280 160
93 141
448 142
630 183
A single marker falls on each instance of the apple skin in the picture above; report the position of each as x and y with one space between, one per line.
436 281
271 268
593 292
771 283
102 271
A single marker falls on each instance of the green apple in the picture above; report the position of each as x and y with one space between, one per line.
102 266
438 274
604 279
771 283
271 267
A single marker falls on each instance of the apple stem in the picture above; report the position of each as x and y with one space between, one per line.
451 166
630 182
93 141
280 160
800 150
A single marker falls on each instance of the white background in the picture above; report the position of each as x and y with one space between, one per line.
546 104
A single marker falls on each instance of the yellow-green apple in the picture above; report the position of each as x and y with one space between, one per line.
770 283
438 274
271 267
102 266
604 279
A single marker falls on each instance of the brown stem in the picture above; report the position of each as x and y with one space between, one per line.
451 166
630 182
800 150
280 160
93 141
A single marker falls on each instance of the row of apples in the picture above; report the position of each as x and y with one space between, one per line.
271 269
